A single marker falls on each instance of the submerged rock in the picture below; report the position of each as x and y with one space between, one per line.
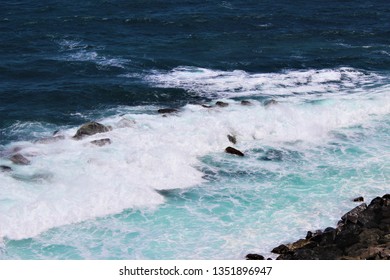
246 103
167 111
358 199
221 104
5 168
232 139
19 159
362 233
270 102
90 128
207 106
101 142
233 151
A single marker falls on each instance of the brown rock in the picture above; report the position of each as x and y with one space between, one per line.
233 151
90 128
101 142
19 159
221 104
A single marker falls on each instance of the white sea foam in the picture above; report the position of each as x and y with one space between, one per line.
77 51
216 83
70 181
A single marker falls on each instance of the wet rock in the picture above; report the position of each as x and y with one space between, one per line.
358 199
221 104
270 102
233 151
5 168
254 257
352 215
232 139
246 103
89 129
101 142
167 111
281 249
207 106
19 159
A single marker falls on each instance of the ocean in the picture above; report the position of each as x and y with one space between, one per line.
315 131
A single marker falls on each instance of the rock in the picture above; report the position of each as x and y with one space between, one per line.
90 128
254 257
352 215
246 103
281 249
221 104
207 106
358 199
233 151
232 139
19 159
167 111
270 102
5 168
126 123
101 142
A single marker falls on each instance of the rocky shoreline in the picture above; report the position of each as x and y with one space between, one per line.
362 234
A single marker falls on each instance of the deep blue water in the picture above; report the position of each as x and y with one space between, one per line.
63 63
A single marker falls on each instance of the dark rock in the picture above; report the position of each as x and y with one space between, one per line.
254 257
221 104
246 103
358 199
101 142
281 249
207 106
19 159
309 235
352 215
5 168
386 196
231 150
167 111
90 128
270 102
232 139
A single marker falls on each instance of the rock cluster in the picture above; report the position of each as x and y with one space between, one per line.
362 233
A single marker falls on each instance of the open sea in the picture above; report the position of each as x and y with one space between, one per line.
315 135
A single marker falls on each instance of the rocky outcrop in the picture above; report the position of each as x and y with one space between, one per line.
233 151
19 159
362 233
90 128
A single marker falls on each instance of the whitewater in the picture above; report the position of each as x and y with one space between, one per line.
323 141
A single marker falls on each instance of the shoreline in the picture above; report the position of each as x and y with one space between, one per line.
363 233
